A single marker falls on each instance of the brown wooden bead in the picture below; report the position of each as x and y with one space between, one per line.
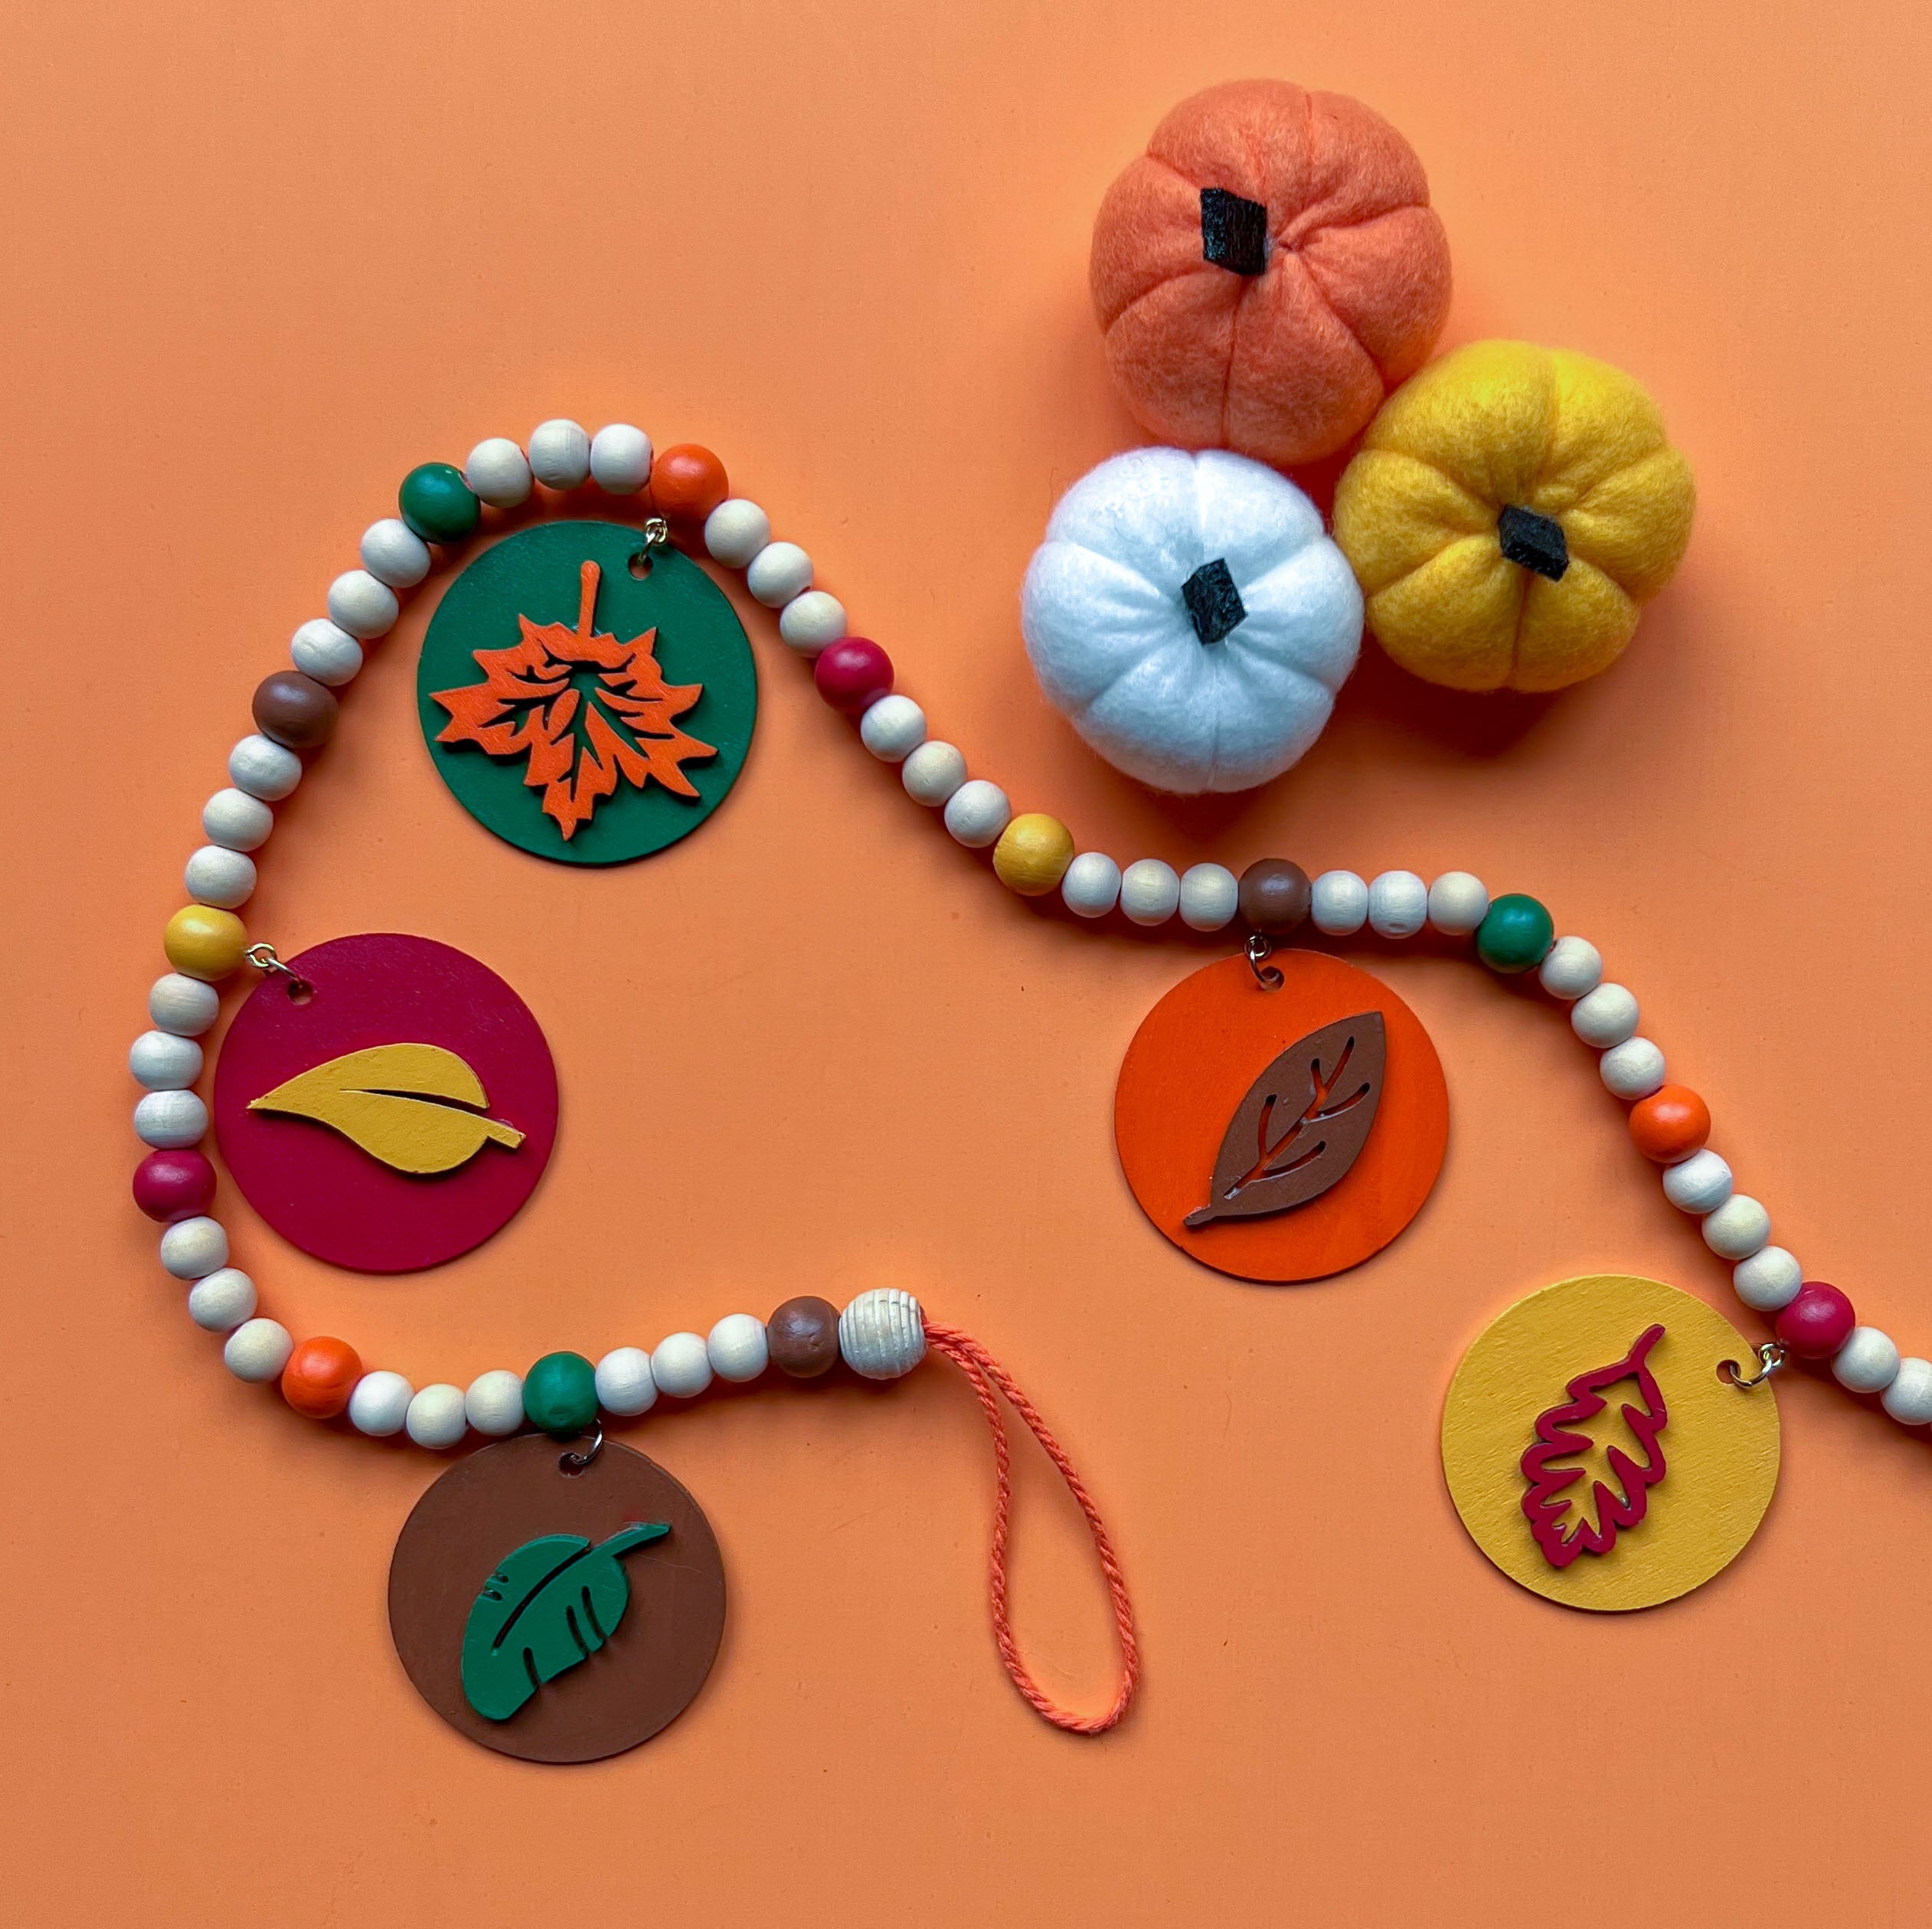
1273 897
295 710
803 1337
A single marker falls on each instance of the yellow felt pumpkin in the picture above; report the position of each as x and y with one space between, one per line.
1509 509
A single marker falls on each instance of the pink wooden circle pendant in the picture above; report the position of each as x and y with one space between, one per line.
396 1114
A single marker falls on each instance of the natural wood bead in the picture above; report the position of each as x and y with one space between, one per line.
1634 1069
379 1405
1768 1280
737 1348
735 530
498 472
1150 892
1699 1184
1670 1125
624 1383
1867 1362
217 876
687 482
1909 1397
1605 1017
185 1006
363 605
203 942
811 620
263 770
1091 887
1739 1228
559 455
258 1350
237 821
620 459
163 1061
803 1337
295 710
933 772
222 1302
977 812
1573 968
1210 895
319 1377
329 654
1274 896
681 1364
191 1249
1458 904
169 1120
1033 853
892 728
1398 904
1337 902
436 1418
493 1403
778 572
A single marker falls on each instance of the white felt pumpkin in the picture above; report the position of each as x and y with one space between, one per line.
1191 619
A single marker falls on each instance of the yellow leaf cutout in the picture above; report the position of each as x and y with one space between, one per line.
400 1104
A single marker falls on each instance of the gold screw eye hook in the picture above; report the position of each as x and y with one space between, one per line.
1259 950
1771 1355
263 958
575 1463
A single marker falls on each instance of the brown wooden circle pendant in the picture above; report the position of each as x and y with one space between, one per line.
1283 1133
554 1614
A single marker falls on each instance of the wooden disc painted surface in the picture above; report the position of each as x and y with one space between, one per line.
1221 1062
639 1675
1686 1463
396 1117
579 713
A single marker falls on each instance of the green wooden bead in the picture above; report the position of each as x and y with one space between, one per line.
438 504
560 1394
1516 935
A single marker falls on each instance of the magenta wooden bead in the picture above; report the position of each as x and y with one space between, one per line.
853 675
171 1185
1817 1322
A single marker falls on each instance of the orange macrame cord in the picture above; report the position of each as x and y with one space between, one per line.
985 1374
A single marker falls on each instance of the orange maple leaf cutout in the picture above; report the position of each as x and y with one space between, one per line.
584 708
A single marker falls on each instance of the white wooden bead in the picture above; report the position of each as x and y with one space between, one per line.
379 1407
560 453
1867 1362
362 606
778 572
1091 887
933 772
625 1385
977 812
237 821
737 1348
1338 903
1769 1280
492 1403
1699 1184
1571 969
392 552
1458 903
1634 1069
681 1366
170 1120
222 1300
436 1418
163 1061
191 1249
620 459
892 728
215 875
326 651
1150 892
811 621
1209 895
882 1334
185 1006
497 472
258 1350
265 770
1398 904
735 531
1737 1228
1604 1017
1909 1397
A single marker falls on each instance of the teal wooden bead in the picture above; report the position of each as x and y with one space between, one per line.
560 1394
438 504
1516 935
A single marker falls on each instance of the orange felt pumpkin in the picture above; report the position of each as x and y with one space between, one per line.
1267 271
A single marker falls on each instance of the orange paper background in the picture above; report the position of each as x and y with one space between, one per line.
260 259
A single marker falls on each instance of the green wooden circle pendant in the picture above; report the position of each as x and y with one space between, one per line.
579 711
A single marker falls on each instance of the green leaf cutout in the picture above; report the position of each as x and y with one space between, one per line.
553 1603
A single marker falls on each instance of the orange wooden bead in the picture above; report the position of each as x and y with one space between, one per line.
320 1376
1671 1124
687 483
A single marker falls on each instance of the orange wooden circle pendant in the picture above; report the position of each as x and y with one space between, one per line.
1282 1134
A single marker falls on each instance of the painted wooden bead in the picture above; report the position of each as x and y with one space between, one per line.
1817 1322
560 1394
1150 892
737 1347
735 530
438 506
1909 1397
1699 1184
258 1350
1338 903
222 877
1768 1280
681 1365
191 1249
1670 1125
222 1302
435 1417
976 812
237 821
295 710
1604 1017
364 607
168 1120
778 572
1398 904
174 1185
263 769
492 1403
185 1006
853 675
625 1386
1458 904
1274 897
1867 1362
882 1334
319 1377
1033 853
812 620
1516 933
379 1407
392 552
620 459
933 772
1091 887
498 472
1634 1069
203 942
163 1061
559 453
803 1337
326 651
1737 1228
892 728
1210 895
687 482
1573 967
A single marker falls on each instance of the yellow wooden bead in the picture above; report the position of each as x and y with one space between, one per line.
1033 854
205 943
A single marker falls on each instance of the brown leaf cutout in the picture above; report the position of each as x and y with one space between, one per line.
1302 1124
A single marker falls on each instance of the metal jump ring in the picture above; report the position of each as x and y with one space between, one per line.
1259 949
575 1463
262 957
1771 1355
655 535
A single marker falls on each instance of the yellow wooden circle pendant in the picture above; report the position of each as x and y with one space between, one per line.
1597 1452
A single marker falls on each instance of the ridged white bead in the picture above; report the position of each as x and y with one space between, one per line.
620 459
625 1385
363 606
735 530
191 1249
1338 903
778 572
1867 1362
1605 1017
1571 968
222 1300
1737 1228
1699 1184
1209 895
264 768
392 552
681 1365
892 728
1091 887
436 1418
379 1407
1769 1280
811 621
1150 892
492 1403
183 1006
497 472
933 772
1398 904
225 878
236 820
881 1334
1458 903
326 651
976 813
170 1120
164 1061
559 453
1909 1397
737 1348
258 1350
1632 1069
